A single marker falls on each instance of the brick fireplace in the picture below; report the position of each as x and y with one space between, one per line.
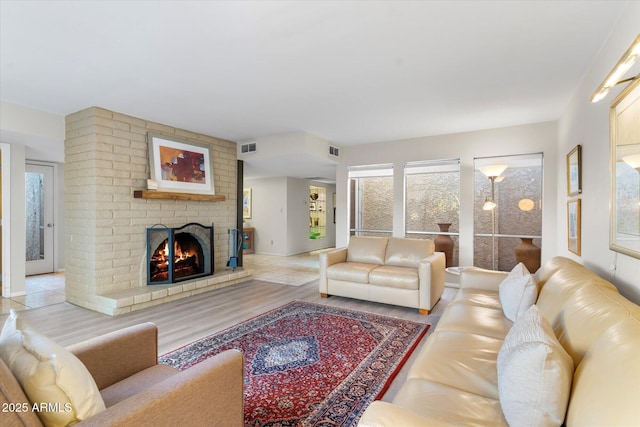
106 160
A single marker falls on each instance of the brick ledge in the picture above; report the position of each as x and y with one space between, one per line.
134 299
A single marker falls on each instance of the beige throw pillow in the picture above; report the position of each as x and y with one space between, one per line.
58 385
534 373
517 292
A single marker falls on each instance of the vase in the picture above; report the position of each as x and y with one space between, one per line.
528 254
444 243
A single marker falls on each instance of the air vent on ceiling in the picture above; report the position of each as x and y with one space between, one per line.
248 148
334 151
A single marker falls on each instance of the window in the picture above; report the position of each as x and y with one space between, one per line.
508 211
432 204
371 200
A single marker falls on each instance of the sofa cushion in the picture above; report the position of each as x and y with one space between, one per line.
474 319
608 373
403 252
461 360
518 292
478 297
441 402
368 250
350 272
49 374
580 307
395 277
534 373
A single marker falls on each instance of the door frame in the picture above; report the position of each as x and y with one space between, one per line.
6 219
52 185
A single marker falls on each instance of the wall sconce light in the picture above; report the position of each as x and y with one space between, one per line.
615 75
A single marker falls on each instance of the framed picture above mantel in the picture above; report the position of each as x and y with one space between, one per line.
180 166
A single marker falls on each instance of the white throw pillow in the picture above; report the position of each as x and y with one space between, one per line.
534 373
517 292
518 271
58 385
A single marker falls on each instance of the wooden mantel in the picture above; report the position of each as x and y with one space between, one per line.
153 194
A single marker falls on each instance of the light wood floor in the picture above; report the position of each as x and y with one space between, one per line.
183 321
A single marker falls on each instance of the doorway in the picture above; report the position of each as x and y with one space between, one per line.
39 218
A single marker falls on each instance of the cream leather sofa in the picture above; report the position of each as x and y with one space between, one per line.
399 271
453 380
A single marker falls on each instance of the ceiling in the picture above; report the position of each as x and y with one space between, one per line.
349 72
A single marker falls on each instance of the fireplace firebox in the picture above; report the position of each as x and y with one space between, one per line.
178 254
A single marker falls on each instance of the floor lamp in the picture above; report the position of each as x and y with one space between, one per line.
492 172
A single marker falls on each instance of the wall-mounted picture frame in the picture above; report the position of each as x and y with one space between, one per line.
574 171
624 203
180 166
246 203
574 226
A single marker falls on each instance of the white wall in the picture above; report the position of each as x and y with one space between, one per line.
532 138
588 124
37 135
40 132
268 214
13 224
280 216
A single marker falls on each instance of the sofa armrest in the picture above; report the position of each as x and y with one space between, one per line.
112 357
477 278
431 272
209 393
385 414
326 260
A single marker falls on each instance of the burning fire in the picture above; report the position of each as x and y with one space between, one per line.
178 257
178 254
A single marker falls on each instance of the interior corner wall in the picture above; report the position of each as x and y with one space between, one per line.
268 214
280 216
587 124
32 135
14 248
523 139
298 240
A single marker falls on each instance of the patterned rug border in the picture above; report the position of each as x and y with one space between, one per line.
394 368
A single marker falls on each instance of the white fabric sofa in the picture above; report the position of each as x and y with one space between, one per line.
399 271
454 379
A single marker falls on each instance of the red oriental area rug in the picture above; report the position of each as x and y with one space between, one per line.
310 364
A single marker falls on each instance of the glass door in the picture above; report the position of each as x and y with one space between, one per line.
39 219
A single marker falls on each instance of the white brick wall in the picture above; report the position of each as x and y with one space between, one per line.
106 159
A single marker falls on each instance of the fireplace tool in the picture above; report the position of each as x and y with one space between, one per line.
233 247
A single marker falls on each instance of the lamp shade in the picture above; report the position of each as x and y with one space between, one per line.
489 205
493 170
